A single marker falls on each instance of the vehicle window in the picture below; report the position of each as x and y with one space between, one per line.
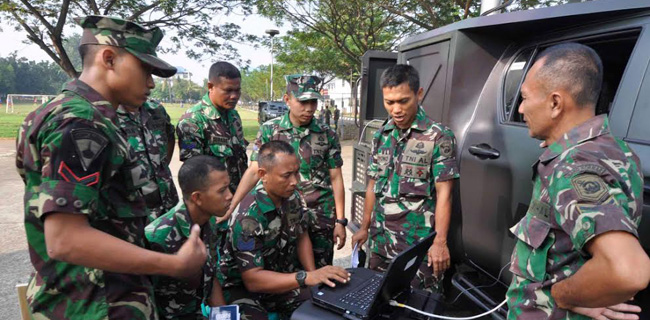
514 78
614 50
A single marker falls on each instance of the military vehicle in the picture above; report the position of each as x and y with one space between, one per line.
270 109
471 72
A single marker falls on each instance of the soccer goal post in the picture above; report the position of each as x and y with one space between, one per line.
25 99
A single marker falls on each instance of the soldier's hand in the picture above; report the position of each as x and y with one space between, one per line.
227 215
438 257
622 311
327 275
339 235
360 237
192 255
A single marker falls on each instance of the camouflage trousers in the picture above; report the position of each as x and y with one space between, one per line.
254 306
322 242
423 280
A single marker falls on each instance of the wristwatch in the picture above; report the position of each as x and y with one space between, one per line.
343 221
300 277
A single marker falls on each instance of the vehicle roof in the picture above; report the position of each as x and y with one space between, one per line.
527 20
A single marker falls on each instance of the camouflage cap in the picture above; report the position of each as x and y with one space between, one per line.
303 87
134 38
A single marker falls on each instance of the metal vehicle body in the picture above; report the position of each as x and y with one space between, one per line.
270 109
471 72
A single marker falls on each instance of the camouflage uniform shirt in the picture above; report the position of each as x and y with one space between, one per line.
262 236
318 150
205 130
73 159
586 184
406 164
174 299
149 132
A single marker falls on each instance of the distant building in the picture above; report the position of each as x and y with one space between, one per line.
183 73
339 91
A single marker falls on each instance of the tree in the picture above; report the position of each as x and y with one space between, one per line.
255 82
429 15
19 75
189 22
351 27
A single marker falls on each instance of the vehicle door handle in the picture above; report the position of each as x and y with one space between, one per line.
484 151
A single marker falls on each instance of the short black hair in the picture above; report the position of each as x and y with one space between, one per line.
195 171
223 69
398 74
268 151
88 51
574 67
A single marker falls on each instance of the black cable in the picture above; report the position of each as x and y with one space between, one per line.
483 286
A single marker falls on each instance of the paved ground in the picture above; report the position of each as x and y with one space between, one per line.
15 266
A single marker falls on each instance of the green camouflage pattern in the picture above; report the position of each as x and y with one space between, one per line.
205 130
303 87
73 159
175 299
405 165
134 38
149 132
585 184
318 150
262 236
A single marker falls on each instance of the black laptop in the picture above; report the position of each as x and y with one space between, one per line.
368 291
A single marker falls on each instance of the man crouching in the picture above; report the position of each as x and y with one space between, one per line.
204 182
268 256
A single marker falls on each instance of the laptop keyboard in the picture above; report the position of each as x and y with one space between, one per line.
363 296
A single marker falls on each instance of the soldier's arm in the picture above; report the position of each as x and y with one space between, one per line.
618 269
306 252
190 137
66 238
265 281
439 253
216 296
171 137
361 236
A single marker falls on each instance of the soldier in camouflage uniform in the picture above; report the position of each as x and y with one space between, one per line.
268 246
206 194
410 177
579 235
82 182
213 127
319 153
149 131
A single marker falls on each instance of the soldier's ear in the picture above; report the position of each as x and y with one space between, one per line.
261 172
196 198
108 57
210 85
557 104
420 94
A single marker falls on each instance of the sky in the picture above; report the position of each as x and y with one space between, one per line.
13 41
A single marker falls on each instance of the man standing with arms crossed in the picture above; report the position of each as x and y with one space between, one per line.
577 250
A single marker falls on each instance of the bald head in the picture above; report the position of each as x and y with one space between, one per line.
574 68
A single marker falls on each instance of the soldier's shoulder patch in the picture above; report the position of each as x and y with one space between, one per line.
590 187
249 226
446 146
188 127
88 143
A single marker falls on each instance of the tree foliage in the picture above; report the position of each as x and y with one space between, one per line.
188 24
19 75
256 82
176 89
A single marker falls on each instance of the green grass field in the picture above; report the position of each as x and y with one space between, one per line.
10 122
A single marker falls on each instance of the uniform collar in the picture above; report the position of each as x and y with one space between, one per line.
590 129
285 124
85 91
210 110
420 123
143 114
262 199
183 218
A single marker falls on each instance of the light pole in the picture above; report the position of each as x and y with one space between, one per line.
272 33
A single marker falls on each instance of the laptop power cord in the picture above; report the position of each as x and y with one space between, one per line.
401 305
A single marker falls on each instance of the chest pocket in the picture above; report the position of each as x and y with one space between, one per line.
319 148
415 168
535 239
135 139
220 146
